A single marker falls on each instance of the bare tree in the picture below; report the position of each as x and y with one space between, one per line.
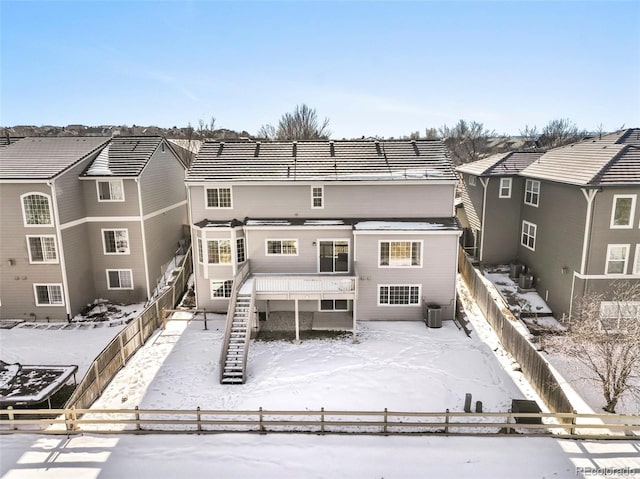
560 132
268 132
431 134
302 124
467 141
529 133
605 338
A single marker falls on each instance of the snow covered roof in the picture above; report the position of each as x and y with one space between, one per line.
431 224
369 224
124 156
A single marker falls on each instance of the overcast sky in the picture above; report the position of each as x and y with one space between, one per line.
372 68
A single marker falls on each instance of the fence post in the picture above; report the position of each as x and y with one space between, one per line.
140 332
138 426
204 312
198 419
446 421
572 431
322 420
12 426
262 430
97 373
74 417
385 421
164 319
509 415
122 355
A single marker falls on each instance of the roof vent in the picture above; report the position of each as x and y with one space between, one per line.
295 149
332 148
256 153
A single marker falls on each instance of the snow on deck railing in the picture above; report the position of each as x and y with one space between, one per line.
305 284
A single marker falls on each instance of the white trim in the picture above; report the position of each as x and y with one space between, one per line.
321 188
63 263
626 248
109 180
55 245
421 242
259 182
244 249
532 182
119 270
143 235
297 227
48 285
535 234
509 185
636 263
589 196
223 281
199 250
408 232
266 247
419 286
334 304
206 197
333 240
50 204
164 210
104 242
631 212
485 189
608 277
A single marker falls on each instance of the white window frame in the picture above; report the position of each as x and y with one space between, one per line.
111 199
56 260
206 197
530 191
242 249
473 180
610 248
104 242
200 251
218 240
119 271
220 282
334 241
420 249
49 286
266 247
313 197
636 265
334 305
505 183
24 211
631 213
528 225
380 286
614 311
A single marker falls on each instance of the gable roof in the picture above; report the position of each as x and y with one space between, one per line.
609 160
124 156
501 164
37 158
346 160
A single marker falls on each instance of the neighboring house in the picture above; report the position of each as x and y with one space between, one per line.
571 215
86 218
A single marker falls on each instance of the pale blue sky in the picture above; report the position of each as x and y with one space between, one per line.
372 68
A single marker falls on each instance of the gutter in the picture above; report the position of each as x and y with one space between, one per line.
63 266
484 211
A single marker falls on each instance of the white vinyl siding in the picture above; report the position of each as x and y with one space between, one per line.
317 197
36 209
42 249
400 254
218 198
115 241
623 211
119 279
617 259
528 239
281 247
219 251
399 294
532 193
505 187
110 190
48 294
221 288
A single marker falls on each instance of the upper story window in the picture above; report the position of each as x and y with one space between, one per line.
288 247
532 192
48 294
317 197
240 253
219 251
617 257
505 187
200 254
42 249
472 180
218 197
399 295
36 210
622 211
110 190
115 241
528 239
400 253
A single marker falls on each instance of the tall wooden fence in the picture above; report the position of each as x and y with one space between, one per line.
534 367
128 341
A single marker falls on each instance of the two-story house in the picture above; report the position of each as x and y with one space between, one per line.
576 214
362 229
86 218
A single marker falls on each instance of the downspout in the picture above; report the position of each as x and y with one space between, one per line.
589 196
63 266
484 211
144 239
194 261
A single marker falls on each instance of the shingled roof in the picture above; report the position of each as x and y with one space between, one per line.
37 158
610 160
124 156
501 164
351 160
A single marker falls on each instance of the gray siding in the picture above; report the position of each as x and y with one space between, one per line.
69 193
79 266
162 182
341 201
162 234
502 223
128 207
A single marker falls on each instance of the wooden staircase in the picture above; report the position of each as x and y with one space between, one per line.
233 363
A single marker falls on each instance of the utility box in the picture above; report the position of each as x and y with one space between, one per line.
515 270
526 281
434 316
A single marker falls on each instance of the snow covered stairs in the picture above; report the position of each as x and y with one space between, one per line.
235 359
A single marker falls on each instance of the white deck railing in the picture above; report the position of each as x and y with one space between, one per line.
305 284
